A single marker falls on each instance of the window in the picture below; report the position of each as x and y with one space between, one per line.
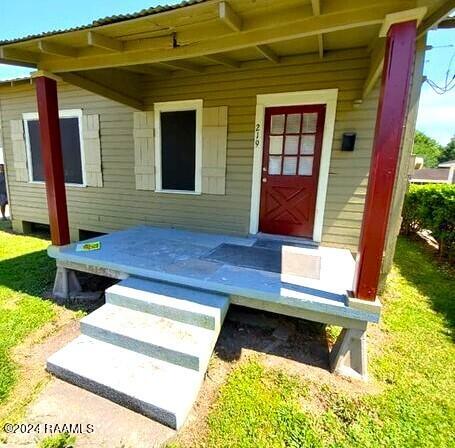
178 146
71 147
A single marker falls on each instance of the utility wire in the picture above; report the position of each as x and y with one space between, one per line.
449 82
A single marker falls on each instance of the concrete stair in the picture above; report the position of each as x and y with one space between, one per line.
147 348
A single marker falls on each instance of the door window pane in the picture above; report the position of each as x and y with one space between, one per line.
276 144
275 165
306 166
307 144
293 124
290 166
277 126
291 145
71 150
309 122
178 150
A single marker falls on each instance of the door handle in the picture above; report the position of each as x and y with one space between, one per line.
264 179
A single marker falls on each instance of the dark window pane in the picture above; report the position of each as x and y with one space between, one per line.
71 149
178 150
35 149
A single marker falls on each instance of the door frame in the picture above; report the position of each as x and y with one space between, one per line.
328 97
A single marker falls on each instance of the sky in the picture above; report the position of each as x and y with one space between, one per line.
23 17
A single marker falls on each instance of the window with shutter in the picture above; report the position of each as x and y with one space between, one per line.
70 133
178 142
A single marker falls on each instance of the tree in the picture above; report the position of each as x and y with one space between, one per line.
428 148
448 152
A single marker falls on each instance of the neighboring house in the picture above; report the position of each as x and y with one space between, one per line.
443 174
240 120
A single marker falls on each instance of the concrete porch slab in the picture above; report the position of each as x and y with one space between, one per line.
180 257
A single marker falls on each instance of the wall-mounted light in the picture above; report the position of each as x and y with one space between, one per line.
348 141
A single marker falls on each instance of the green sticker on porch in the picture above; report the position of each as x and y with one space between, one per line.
87 247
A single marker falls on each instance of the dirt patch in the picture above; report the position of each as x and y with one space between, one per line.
30 357
97 422
42 399
295 346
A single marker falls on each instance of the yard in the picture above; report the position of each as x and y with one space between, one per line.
412 365
412 356
26 273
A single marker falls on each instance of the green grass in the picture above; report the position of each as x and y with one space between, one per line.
63 440
25 272
414 365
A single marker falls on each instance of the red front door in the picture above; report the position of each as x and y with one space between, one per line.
290 169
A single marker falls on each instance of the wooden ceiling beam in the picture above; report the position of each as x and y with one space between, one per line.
56 49
378 47
316 7
275 31
228 16
100 89
183 65
376 65
433 20
321 45
18 57
447 23
268 53
224 60
147 70
105 43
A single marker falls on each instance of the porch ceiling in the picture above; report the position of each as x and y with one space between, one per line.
223 32
197 36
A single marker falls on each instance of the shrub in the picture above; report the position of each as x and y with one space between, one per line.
432 207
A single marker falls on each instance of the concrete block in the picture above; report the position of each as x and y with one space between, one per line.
183 304
348 356
157 389
147 349
159 337
65 284
20 226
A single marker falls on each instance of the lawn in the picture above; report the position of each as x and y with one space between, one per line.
25 273
412 361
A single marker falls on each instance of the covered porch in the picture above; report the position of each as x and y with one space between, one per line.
320 59
289 276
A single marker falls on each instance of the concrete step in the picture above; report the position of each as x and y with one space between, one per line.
183 304
179 343
160 390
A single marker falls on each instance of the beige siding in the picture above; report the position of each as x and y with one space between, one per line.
118 204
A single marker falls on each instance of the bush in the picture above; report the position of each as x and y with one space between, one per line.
432 207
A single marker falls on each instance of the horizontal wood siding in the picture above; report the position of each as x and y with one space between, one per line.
118 204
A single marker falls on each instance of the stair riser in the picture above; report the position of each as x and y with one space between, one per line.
183 316
153 412
154 351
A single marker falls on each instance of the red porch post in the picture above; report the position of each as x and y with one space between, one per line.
46 95
392 111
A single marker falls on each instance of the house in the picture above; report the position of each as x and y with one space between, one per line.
234 152
443 174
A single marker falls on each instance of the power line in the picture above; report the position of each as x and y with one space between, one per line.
449 81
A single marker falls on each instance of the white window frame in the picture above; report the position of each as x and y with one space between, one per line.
64 113
177 106
327 97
